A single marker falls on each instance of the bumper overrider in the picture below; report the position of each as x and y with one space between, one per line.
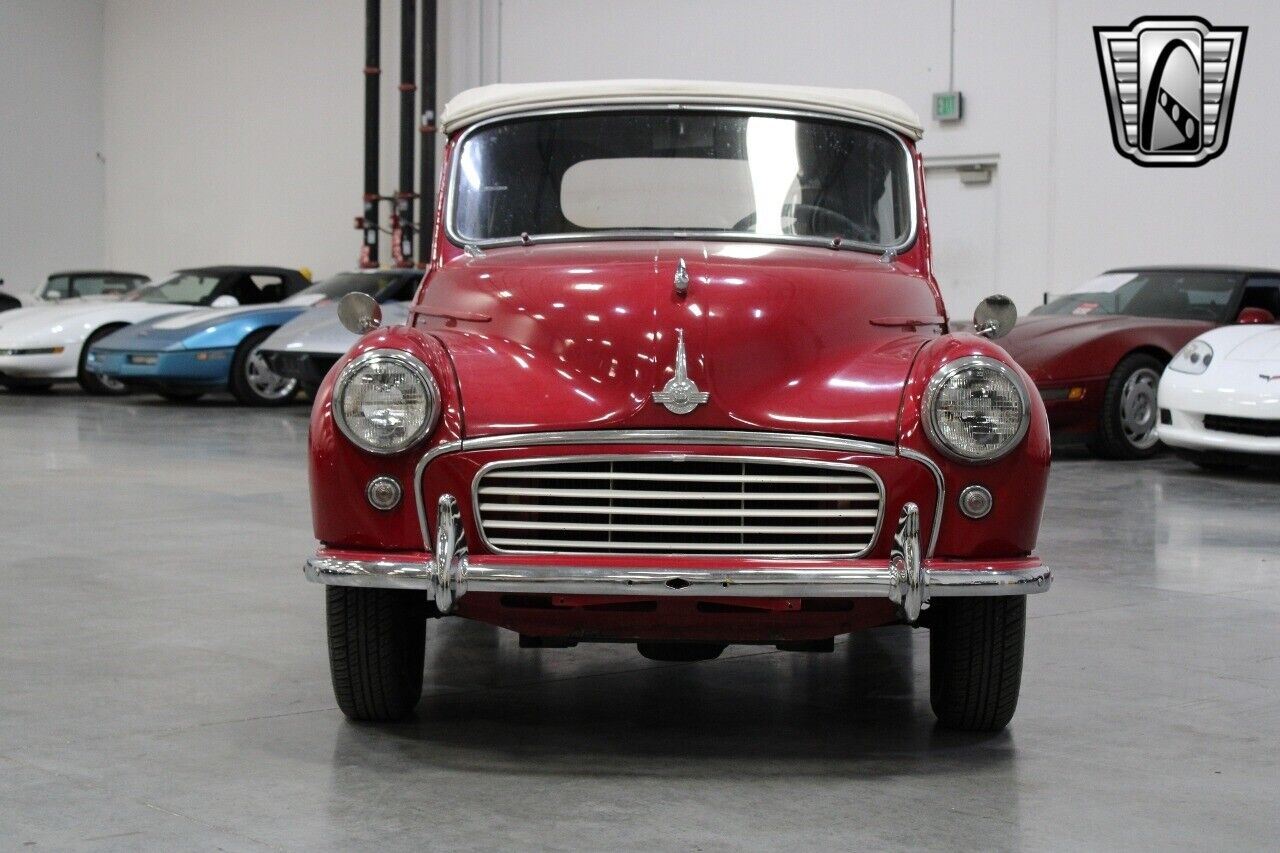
907 578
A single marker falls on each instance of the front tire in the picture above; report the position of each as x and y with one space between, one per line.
377 639
975 661
95 383
253 382
1127 423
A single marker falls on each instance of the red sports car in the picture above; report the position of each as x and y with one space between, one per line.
1096 354
679 375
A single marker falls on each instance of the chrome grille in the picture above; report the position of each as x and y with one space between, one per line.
682 504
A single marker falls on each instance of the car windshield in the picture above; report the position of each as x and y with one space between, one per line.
682 173
1167 294
89 285
181 289
382 286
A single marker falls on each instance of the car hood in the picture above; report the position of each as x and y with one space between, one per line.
201 328
579 336
1038 340
1247 343
66 323
320 331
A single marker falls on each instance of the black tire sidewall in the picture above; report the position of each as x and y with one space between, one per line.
239 384
90 381
377 651
976 651
1110 441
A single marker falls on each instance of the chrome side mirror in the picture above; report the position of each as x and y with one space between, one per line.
994 317
359 313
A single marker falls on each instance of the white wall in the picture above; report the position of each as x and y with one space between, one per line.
233 128
233 132
51 180
1063 205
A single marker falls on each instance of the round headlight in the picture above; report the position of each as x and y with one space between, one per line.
976 409
1193 358
385 401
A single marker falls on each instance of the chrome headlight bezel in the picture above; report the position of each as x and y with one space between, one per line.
1193 359
929 411
416 368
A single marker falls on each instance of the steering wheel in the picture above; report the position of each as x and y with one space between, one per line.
847 227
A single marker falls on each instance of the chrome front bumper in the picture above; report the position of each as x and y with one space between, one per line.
905 579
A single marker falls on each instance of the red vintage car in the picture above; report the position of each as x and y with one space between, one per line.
679 375
1097 353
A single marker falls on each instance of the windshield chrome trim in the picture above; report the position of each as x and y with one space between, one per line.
455 160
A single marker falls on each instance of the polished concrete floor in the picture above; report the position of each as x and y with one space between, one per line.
163 681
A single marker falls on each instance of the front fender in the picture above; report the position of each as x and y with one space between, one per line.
339 470
1017 481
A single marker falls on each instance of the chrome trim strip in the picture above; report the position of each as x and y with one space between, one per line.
379 574
975 582
917 456
913 191
668 457
745 438
659 581
427 458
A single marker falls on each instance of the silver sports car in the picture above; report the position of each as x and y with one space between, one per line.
307 347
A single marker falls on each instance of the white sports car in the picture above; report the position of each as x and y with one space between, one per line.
48 343
1219 397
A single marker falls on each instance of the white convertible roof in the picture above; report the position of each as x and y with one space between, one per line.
486 102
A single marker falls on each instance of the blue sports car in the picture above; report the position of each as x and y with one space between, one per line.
183 356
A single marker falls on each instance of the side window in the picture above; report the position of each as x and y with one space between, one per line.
259 289
270 288
1262 292
59 284
98 285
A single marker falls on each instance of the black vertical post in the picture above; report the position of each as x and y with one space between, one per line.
372 60
405 195
427 129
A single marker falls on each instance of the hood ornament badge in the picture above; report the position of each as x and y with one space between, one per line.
680 395
681 279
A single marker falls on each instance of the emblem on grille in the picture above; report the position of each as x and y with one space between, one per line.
680 395
1170 85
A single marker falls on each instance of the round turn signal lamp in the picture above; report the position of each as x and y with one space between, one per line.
976 501
384 493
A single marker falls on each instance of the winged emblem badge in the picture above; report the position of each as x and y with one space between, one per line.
680 395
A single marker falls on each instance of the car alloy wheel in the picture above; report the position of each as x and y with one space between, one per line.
253 382
115 386
265 382
1138 408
